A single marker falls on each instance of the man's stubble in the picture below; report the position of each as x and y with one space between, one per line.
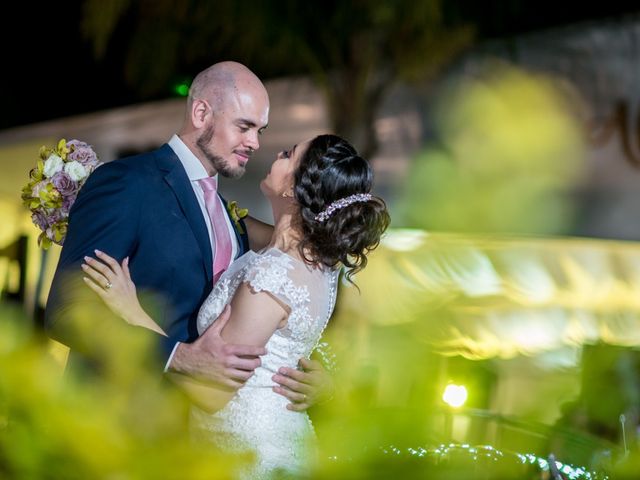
219 163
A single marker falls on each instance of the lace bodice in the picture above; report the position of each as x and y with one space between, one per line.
256 418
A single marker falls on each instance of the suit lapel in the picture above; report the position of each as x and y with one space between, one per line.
177 179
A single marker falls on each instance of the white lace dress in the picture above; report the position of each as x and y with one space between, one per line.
256 419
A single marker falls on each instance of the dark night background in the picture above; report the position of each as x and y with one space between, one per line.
50 70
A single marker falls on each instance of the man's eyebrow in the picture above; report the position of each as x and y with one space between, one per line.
250 123
247 122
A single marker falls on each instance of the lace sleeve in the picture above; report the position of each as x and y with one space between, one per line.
276 274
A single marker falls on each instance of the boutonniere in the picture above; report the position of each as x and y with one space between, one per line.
237 214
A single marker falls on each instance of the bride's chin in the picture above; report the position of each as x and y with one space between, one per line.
266 193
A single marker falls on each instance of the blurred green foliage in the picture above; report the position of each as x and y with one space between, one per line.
386 420
125 425
507 157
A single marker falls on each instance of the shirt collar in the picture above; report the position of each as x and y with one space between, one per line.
193 167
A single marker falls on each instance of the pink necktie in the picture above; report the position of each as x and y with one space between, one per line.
222 238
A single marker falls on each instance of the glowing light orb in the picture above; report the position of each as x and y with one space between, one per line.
455 395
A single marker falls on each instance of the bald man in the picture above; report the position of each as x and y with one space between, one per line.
151 209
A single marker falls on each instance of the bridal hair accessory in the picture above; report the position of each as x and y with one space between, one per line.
341 203
53 186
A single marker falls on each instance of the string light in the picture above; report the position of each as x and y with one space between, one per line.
486 453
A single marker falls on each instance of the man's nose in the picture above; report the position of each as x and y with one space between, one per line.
253 142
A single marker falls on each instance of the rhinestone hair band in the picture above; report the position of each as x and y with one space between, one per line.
341 203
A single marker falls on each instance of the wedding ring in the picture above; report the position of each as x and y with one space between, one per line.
304 397
108 286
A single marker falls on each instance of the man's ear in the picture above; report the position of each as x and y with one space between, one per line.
199 111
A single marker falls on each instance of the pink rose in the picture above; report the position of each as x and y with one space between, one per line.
54 215
82 153
64 184
40 220
67 202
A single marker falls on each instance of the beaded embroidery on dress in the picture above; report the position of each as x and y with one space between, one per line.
256 418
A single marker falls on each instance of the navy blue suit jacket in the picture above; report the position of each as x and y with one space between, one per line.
142 207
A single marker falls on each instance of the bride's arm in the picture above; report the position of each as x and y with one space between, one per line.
254 317
204 395
112 282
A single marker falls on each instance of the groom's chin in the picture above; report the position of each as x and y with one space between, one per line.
233 173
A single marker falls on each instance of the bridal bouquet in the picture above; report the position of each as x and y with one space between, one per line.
53 186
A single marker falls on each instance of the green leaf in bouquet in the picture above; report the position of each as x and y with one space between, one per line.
45 152
43 241
59 231
50 197
62 149
37 174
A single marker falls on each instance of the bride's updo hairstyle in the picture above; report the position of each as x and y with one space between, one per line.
340 221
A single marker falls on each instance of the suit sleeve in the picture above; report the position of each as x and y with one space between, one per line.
105 216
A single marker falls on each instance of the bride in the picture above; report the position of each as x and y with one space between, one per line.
281 297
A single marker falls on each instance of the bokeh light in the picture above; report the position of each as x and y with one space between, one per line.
455 395
507 155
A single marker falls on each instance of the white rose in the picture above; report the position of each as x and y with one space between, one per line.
52 165
75 170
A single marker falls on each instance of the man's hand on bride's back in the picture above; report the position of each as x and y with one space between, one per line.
211 359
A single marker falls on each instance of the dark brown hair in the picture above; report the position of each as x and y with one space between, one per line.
329 170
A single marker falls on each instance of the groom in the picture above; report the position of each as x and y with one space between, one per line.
161 210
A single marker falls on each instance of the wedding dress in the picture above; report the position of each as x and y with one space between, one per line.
256 419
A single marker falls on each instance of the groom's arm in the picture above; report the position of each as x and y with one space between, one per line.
211 360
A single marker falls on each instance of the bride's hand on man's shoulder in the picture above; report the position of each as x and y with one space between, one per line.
112 281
